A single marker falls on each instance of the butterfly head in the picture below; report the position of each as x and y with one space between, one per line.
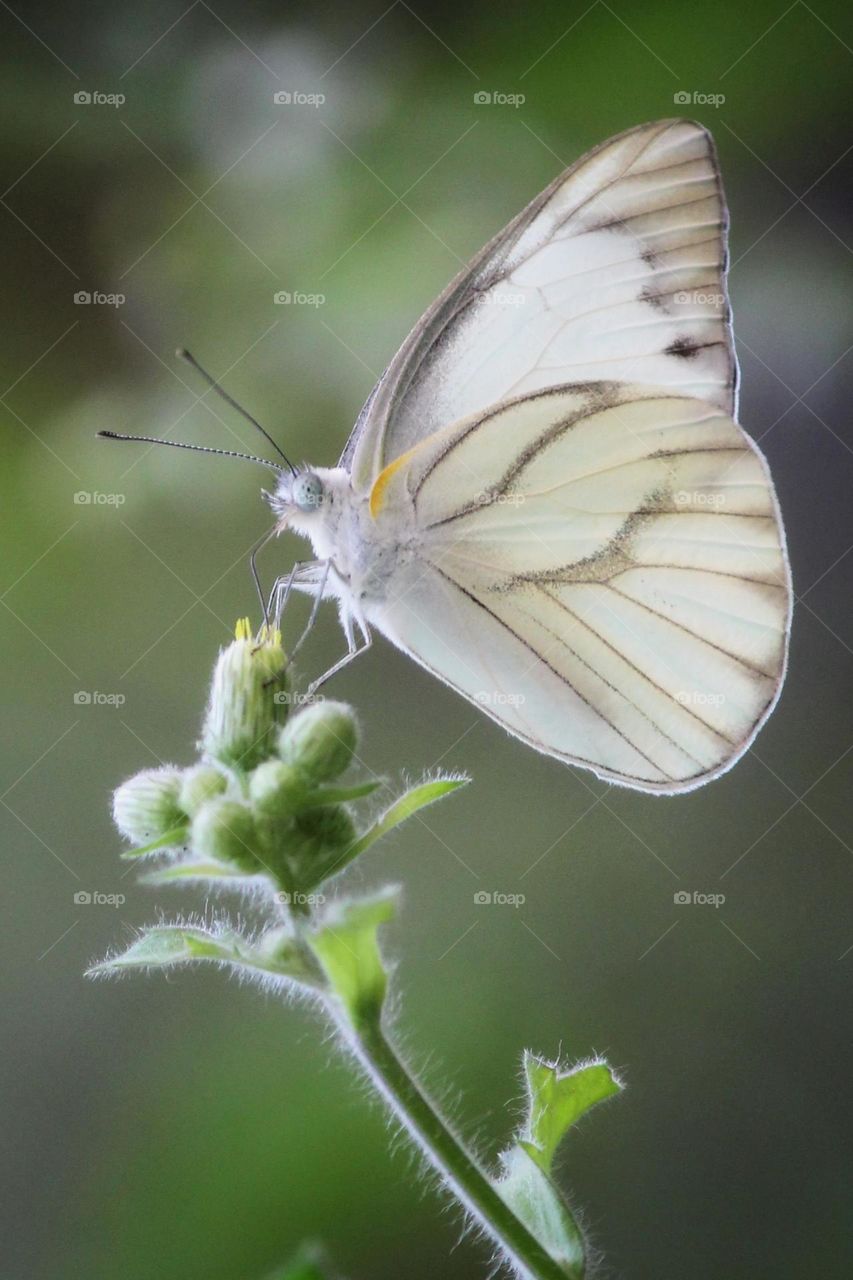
298 495
307 492
310 500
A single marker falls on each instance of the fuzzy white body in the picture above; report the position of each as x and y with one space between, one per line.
369 560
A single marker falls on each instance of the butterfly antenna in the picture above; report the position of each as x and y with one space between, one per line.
183 354
197 448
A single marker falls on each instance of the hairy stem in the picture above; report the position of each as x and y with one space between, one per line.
425 1125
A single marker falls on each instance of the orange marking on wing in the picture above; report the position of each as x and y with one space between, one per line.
380 484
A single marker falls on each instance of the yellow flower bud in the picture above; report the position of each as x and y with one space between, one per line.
247 700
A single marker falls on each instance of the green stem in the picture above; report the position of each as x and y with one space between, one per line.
470 1183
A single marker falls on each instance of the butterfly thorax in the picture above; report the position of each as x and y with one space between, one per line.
364 553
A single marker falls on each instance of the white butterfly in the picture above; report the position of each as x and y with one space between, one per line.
546 501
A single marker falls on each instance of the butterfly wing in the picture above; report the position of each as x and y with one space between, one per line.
615 272
602 569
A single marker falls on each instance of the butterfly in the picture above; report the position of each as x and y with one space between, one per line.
546 500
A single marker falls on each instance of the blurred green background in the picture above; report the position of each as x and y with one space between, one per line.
159 1129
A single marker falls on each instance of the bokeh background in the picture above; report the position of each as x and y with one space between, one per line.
164 1129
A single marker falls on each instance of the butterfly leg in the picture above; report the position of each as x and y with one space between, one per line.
312 617
354 650
303 573
253 565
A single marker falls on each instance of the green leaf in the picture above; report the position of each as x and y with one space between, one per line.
533 1198
557 1100
346 945
407 805
199 870
178 836
338 795
164 946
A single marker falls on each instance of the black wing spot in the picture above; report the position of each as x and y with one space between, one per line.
652 297
686 348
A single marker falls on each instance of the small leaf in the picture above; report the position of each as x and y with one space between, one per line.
199 870
346 945
533 1198
407 805
165 945
338 795
557 1101
178 836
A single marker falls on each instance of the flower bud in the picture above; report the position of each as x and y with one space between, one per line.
276 789
246 703
147 806
318 838
200 783
224 830
320 740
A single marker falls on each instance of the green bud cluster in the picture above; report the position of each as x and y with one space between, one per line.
258 802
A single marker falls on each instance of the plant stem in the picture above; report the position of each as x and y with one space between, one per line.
442 1148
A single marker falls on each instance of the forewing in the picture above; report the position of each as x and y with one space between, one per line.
603 570
615 272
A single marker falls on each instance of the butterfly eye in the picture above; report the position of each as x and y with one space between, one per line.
307 492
